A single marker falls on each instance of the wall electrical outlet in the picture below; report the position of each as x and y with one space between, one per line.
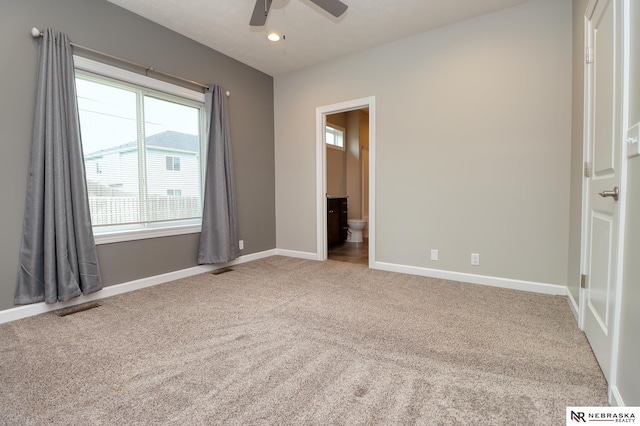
475 259
241 244
434 254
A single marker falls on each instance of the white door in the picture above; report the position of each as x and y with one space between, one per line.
603 118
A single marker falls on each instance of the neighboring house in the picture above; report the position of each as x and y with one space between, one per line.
173 187
173 164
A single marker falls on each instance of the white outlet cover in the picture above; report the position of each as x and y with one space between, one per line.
633 141
434 254
475 259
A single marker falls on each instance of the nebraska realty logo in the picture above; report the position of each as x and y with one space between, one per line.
602 414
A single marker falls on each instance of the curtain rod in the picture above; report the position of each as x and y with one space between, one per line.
37 33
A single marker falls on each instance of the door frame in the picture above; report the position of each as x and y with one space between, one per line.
622 70
321 172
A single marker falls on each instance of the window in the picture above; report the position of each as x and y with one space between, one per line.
140 142
173 163
335 137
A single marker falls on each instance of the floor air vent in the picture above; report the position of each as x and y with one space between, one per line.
75 309
221 271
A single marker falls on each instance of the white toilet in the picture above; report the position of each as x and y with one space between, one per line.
355 230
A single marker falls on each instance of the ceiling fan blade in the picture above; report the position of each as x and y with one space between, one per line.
334 7
260 12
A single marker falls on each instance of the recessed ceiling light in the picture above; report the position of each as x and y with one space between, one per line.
273 37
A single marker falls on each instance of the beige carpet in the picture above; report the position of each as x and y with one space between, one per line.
289 341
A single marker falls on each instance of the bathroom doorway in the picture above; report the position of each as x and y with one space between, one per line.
345 139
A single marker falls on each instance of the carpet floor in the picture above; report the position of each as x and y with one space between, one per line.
296 342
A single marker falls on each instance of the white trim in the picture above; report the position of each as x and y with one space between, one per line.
321 187
321 173
296 254
586 157
574 305
615 399
145 234
372 221
552 289
20 312
25 311
622 206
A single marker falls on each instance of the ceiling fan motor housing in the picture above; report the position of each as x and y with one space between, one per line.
262 7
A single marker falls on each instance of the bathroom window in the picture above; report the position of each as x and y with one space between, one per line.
335 137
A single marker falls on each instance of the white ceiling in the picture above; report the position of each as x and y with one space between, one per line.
312 35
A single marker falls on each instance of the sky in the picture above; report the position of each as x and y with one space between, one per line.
108 115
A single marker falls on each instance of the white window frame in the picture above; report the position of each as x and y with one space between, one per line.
344 134
158 229
175 161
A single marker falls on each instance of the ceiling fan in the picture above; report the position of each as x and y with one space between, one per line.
261 10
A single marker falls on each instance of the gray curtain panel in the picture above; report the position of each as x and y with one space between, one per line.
58 258
219 237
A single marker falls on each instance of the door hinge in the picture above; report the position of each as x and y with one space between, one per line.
589 55
583 281
587 169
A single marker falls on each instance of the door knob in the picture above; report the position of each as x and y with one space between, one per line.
613 193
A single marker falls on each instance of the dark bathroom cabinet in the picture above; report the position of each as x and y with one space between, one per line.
337 225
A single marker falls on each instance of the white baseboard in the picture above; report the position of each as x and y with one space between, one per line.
615 399
573 304
535 287
20 312
297 254
25 311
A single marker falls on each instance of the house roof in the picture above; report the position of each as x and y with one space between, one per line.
167 140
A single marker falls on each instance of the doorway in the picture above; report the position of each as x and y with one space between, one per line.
603 192
365 104
347 135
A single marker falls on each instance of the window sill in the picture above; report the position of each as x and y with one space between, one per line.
144 234
339 148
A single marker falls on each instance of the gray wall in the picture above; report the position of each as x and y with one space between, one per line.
473 143
628 375
101 25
